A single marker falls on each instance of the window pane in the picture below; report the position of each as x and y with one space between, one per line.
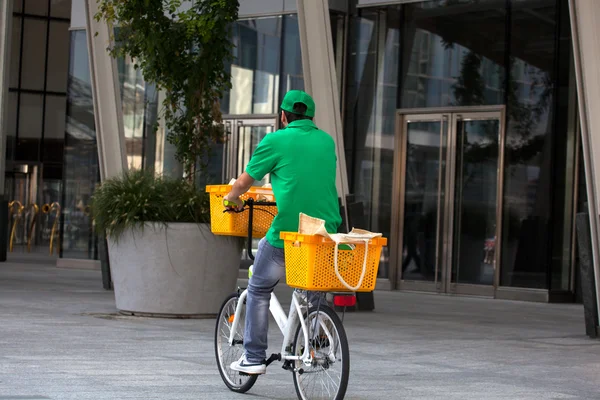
54 126
15 52
453 53
30 127
528 153
139 102
61 8
36 7
338 32
81 171
370 115
292 78
565 150
17 6
58 62
255 69
34 54
30 116
12 114
12 125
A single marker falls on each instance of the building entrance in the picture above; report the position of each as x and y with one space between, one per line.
450 199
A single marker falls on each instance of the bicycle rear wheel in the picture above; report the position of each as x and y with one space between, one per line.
227 354
327 376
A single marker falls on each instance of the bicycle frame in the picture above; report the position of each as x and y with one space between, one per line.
286 325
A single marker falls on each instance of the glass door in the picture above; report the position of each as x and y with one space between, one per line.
475 182
244 135
449 201
425 141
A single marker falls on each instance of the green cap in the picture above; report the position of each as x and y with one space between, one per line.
298 96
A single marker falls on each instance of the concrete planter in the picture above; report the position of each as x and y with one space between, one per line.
180 270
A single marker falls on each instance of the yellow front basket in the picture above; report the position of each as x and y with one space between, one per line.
309 263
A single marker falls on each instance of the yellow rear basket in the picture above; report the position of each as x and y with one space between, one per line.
236 224
309 263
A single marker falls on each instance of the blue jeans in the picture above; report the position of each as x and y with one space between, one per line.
269 268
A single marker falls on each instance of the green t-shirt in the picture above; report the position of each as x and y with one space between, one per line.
302 162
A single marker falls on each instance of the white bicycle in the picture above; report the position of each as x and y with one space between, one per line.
314 349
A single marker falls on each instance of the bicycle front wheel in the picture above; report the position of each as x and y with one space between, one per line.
225 353
327 375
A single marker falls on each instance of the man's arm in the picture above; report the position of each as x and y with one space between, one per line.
241 186
262 162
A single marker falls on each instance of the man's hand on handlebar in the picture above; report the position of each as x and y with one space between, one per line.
233 204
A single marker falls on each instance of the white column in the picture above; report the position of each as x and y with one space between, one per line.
320 79
5 42
585 26
108 112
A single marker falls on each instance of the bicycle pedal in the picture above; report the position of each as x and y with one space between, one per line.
273 357
288 366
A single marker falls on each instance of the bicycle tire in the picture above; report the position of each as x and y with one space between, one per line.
232 379
343 349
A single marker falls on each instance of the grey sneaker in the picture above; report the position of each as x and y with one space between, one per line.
243 365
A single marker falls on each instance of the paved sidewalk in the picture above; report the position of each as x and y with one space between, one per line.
60 339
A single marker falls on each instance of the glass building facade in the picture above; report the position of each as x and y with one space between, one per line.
37 99
484 201
447 55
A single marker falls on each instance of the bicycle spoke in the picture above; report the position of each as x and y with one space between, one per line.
226 353
326 377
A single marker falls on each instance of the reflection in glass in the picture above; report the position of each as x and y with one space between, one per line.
267 63
425 168
528 162
475 191
255 69
140 105
449 46
248 139
81 171
371 92
291 73
566 142
338 29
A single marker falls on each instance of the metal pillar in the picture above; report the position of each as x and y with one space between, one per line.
320 80
108 111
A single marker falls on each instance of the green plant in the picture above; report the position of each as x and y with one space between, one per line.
183 52
137 197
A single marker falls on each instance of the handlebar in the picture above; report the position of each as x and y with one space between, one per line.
250 203
228 203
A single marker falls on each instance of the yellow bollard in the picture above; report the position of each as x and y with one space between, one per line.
54 207
19 212
36 211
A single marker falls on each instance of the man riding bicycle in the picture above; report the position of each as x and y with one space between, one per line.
301 161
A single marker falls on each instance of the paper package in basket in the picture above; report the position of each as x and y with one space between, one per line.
314 226
264 193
